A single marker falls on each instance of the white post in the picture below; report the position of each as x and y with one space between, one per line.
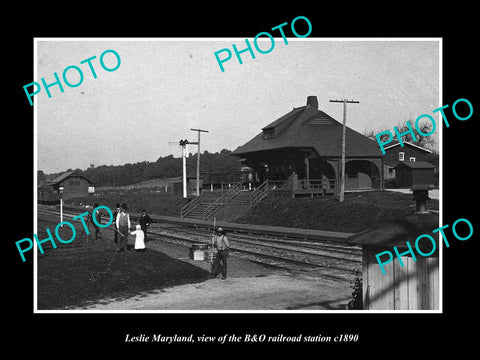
184 157
60 193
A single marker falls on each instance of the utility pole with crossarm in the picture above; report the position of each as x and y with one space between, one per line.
342 180
198 158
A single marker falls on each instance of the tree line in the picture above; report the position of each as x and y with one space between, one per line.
223 161
165 167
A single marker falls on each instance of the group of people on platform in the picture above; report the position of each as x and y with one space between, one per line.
122 226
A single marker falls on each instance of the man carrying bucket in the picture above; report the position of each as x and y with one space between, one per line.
220 242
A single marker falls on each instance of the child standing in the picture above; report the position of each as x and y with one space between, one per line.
139 238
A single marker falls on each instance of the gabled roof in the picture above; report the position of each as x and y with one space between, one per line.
307 126
65 176
285 119
408 144
396 233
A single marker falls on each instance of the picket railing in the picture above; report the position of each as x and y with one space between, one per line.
213 207
259 193
187 209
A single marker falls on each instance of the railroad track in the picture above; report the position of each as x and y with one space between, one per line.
326 259
326 263
291 243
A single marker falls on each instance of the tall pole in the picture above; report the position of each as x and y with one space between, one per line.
60 193
184 166
198 159
183 144
61 210
342 178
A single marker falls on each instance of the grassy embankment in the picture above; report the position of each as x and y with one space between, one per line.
359 211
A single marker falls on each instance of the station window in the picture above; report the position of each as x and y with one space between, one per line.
74 183
411 159
401 156
269 133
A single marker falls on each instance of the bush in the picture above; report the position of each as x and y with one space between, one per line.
357 285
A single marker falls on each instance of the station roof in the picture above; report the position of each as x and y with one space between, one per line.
307 126
398 232
415 165
406 143
73 173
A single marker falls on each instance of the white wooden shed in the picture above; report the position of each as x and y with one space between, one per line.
415 286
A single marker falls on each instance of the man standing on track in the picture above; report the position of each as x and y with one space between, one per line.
220 241
123 225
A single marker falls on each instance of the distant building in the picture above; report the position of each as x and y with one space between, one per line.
191 185
215 180
74 185
411 173
304 148
395 154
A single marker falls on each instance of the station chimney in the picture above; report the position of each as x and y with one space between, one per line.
312 102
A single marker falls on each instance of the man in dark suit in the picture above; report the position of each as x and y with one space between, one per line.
145 221
117 210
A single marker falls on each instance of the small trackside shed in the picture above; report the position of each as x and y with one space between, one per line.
413 286
411 173
74 184
395 154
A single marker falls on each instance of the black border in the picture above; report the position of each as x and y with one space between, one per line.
84 332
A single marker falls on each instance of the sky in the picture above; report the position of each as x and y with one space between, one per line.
165 87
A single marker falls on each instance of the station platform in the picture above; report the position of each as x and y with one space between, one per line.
249 287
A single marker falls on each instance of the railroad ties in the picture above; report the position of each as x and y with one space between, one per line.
335 261
321 253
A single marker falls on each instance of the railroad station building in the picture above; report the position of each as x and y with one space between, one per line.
302 150
396 154
74 184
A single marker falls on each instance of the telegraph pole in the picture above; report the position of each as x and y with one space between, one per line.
342 181
198 158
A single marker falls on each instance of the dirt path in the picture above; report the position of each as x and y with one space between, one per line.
249 286
272 292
